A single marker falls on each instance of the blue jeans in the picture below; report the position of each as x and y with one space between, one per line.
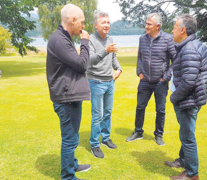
145 90
102 97
188 151
70 118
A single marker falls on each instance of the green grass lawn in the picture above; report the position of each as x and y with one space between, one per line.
30 134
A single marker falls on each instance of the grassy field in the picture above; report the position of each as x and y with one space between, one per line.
30 134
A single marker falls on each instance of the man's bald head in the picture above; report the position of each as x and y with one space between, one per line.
70 11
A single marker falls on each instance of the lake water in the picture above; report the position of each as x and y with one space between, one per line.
121 41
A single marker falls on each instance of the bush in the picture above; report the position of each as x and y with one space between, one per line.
5 40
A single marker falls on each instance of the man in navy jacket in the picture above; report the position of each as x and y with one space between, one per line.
68 84
190 77
156 49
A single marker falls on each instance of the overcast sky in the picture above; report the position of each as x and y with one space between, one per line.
112 8
107 6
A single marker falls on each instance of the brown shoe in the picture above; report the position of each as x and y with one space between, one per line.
184 176
175 163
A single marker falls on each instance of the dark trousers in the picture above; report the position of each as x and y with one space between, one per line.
70 118
145 90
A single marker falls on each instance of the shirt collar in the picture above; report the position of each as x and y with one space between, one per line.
98 36
155 37
66 33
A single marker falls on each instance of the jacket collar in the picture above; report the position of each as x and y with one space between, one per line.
183 43
158 36
66 33
98 36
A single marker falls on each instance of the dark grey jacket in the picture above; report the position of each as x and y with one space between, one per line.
190 73
154 57
66 69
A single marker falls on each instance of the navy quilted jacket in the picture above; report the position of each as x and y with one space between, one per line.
190 73
154 57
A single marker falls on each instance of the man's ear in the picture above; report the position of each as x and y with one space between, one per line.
73 19
158 26
183 30
95 26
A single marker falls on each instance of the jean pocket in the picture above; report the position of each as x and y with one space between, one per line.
94 81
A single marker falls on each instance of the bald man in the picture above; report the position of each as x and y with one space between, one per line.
68 84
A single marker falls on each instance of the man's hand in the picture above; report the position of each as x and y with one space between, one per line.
162 80
110 48
141 76
84 35
116 74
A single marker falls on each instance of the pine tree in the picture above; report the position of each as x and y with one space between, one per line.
136 11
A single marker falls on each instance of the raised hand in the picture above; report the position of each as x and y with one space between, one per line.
111 48
84 34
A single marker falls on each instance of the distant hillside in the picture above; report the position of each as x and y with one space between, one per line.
125 28
117 28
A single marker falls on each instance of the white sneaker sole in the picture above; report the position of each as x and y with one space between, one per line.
159 144
107 146
96 156
84 170
135 139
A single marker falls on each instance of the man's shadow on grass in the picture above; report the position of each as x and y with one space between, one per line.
84 140
49 165
21 68
128 132
154 162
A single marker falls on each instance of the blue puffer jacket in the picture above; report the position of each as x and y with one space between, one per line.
154 57
190 73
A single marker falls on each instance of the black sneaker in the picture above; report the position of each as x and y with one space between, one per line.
135 135
109 144
159 140
97 152
83 168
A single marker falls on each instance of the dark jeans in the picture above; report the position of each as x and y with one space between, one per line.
70 118
145 90
188 151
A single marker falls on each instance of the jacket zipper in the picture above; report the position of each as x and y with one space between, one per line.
150 60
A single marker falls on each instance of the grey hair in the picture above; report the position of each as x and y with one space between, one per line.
189 22
98 14
158 18
66 12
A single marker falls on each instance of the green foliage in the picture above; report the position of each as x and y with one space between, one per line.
11 16
202 26
5 40
125 28
49 20
31 139
137 12
49 14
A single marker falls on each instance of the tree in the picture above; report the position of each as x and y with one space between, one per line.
11 15
49 14
136 11
5 40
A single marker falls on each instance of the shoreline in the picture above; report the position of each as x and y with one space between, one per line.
121 50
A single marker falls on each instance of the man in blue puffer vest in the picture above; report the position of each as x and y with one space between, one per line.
190 77
156 49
